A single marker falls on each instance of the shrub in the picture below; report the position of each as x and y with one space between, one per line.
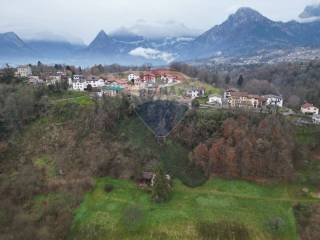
276 225
194 176
108 188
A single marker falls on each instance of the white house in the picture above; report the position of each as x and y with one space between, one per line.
96 83
215 99
316 119
309 109
133 77
24 71
78 77
51 80
194 93
273 100
35 80
80 84
169 78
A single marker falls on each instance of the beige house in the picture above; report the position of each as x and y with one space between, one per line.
24 71
244 100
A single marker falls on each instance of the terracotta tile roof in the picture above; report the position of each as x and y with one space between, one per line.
307 105
232 90
239 94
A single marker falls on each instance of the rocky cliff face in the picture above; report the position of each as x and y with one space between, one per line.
311 11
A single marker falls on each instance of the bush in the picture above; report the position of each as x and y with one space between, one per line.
222 230
108 188
194 176
276 225
195 103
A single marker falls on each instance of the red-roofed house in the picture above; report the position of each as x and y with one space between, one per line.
309 109
149 77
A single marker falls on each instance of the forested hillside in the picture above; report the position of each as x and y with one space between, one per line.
61 150
297 82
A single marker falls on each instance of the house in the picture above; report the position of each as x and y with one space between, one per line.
256 101
148 178
61 73
215 99
309 109
52 80
195 93
78 77
35 80
273 100
133 77
24 71
95 82
169 79
149 77
112 90
78 83
238 99
316 119
228 92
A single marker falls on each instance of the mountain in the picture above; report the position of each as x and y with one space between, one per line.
12 46
106 49
109 46
54 49
121 47
312 11
102 45
247 32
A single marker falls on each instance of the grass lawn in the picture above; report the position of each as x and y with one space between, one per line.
80 98
103 215
180 89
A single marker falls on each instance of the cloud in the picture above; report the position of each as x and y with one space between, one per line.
154 54
161 29
144 17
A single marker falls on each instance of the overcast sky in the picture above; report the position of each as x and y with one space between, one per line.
82 19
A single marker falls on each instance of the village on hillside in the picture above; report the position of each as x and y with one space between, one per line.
170 85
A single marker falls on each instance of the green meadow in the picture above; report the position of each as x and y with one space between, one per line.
127 212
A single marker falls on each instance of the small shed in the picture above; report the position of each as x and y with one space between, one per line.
146 179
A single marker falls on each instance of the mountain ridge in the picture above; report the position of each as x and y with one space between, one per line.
245 32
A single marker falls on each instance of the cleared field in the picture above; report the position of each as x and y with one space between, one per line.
105 215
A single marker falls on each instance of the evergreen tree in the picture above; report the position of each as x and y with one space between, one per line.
227 79
240 81
161 187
